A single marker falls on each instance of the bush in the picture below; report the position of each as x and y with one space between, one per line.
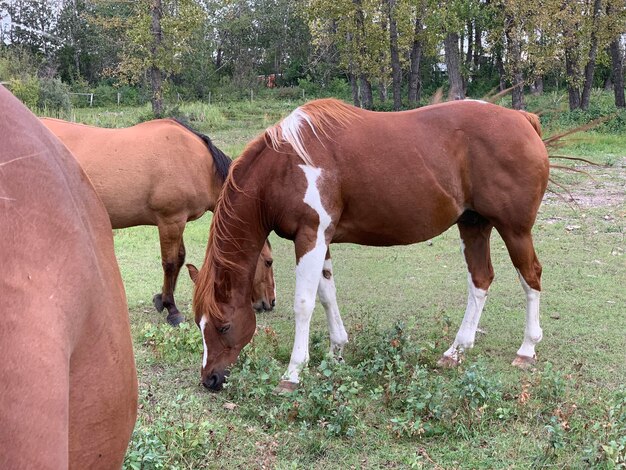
171 344
53 95
26 90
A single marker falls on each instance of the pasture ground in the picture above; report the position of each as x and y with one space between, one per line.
388 406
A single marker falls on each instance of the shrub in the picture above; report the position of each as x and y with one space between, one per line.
171 344
53 95
27 90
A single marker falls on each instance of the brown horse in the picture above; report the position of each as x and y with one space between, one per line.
159 173
330 172
68 386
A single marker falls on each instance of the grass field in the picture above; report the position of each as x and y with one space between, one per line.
388 406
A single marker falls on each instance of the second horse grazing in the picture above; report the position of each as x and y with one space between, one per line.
160 173
333 173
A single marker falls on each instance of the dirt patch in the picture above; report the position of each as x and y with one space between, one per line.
601 187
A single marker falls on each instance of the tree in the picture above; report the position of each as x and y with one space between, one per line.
156 34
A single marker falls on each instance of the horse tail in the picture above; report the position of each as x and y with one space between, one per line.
534 121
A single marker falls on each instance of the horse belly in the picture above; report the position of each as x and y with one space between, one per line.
385 221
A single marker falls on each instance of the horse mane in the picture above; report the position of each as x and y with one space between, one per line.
322 117
220 159
204 293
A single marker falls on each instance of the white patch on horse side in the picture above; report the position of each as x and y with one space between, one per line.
308 273
466 335
205 353
532 332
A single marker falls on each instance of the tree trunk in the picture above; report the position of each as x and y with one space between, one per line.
470 45
617 72
396 71
382 91
593 52
415 84
514 53
367 99
478 46
355 90
537 86
571 69
455 79
156 76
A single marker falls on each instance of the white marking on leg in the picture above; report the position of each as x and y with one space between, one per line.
532 332
467 332
328 298
308 277
205 353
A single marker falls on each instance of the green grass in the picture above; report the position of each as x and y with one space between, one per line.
388 406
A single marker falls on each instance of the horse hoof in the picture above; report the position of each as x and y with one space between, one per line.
157 300
447 362
285 387
524 362
175 319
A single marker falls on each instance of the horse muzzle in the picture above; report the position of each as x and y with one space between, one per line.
264 306
215 382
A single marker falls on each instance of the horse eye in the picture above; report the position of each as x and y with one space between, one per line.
223 329
269 263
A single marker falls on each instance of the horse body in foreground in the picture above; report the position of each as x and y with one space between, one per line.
68 386
332 173
159 173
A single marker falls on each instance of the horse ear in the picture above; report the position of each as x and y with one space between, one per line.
193 272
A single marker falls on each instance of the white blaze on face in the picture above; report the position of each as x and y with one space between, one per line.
205 350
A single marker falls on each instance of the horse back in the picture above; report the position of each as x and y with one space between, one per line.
150 171
69 389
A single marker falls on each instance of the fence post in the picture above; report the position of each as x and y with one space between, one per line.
209 98
118 98
90 99
251 96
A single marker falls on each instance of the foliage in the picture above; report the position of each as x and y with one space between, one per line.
27 90
174 433
53 95
168 344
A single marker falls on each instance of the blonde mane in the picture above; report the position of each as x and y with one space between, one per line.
223 216
322 117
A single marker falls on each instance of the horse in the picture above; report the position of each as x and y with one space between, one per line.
162 173
68 393
333 173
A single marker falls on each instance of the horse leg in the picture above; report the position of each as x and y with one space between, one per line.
327 294
475 232
172 259
524 257
308 269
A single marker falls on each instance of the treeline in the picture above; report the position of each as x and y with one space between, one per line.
383 53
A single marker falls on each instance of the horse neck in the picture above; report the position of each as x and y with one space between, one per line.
239 232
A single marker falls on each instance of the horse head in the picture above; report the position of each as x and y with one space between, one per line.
264 288
226 320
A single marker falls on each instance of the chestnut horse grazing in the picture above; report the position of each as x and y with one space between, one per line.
159 173
68 386
330 172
